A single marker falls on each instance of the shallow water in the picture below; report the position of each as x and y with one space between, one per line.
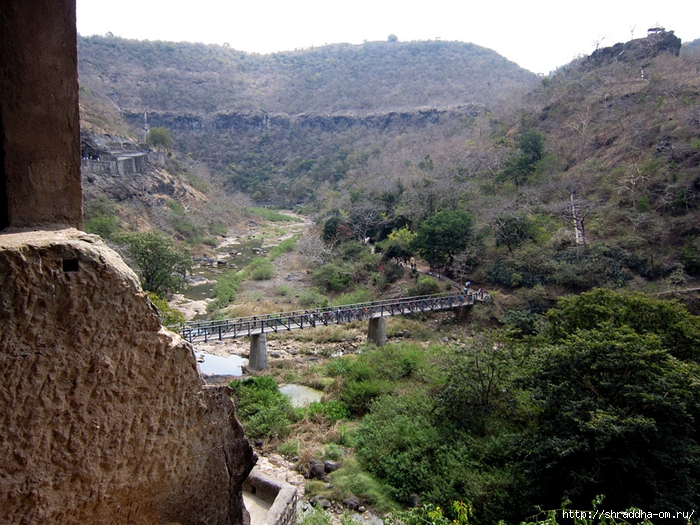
301 396
205 276
220 366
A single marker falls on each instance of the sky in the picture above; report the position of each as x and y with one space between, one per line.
538 35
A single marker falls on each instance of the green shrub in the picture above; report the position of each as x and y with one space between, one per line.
358 395
393 272
225 290
289 448
333 410
261 269
313 516
333 277
286 246
100 217
284 291
352 480
339 366
104 226
313 299
262 409
159 137
333 452
359 295
168 316
425 285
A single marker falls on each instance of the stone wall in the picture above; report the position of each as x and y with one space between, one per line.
104 417
122 165
281 495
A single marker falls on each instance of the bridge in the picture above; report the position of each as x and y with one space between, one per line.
375 312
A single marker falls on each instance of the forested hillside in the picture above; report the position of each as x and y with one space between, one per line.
602 156
559 195
373 77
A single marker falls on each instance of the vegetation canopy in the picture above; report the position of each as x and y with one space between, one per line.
161 265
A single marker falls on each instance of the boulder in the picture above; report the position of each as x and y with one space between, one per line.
331 466
352 503
316 470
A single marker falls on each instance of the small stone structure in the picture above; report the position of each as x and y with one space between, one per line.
281 495
113 155
104 417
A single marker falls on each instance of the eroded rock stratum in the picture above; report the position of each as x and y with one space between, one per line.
104 417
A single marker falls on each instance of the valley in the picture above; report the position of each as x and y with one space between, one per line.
574 199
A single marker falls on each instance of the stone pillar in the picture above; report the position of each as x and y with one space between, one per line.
39 124
258 352
462 313
377 331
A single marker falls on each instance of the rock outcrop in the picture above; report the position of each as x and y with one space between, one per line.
640 50
104 417
123 171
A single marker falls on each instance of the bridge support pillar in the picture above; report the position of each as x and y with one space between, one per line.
258 352
462 313
377 331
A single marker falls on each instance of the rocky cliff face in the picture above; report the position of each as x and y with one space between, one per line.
260 121
122 171
639 50
104 417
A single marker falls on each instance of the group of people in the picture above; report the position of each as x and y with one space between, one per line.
479 292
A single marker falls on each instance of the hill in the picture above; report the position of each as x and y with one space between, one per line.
586 178
276 126
373 77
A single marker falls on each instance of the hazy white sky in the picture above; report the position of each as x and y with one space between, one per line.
539 35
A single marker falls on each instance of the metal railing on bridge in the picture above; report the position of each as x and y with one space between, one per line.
285 321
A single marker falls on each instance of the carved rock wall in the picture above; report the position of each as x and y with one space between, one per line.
104 417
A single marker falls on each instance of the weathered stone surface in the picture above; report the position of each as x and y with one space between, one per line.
39 143
104 417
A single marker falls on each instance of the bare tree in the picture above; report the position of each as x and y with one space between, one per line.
315 250
363 218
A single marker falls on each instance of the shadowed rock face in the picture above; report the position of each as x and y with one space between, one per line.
104 417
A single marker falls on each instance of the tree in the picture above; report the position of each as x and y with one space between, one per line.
619 416
398 245
442 236
336 230
160 264
619 409
363 221
512 230
159 137
520 167
677 328
478 390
